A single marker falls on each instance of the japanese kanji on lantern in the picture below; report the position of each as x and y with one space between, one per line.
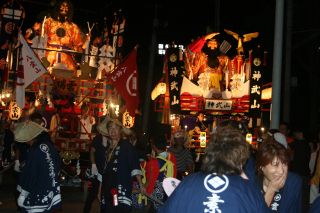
127 120
14 111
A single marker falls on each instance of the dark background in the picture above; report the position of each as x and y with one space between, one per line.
181 21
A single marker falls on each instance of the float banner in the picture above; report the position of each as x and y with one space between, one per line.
125 79
30 68
175 67
255 85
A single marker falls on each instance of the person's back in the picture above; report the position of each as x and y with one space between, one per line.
39 185
315 206
163 166
201 192
221 185
184 161
158 168
98 150
8 140
301 155
300 165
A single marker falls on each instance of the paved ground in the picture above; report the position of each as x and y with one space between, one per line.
72 197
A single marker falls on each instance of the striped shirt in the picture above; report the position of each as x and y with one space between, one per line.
183 157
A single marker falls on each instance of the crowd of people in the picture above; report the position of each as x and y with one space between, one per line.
281 174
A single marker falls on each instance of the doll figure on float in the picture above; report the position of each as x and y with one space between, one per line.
210 80
205 62
62 35
106 62
239 84
195 59
241 39
37 39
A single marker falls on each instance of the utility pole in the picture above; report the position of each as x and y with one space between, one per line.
153 46
277 64
288 56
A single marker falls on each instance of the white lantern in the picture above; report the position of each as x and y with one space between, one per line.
127 120
266 94
249 138
160 89
203 139
14 111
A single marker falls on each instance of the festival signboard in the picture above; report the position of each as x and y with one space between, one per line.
256 85
175 80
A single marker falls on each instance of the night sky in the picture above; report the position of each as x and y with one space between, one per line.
179 22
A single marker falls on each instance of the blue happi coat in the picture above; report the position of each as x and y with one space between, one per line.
120 170
39 177
315 206
288 199
201 192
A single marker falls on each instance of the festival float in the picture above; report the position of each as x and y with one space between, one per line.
206 77
58 69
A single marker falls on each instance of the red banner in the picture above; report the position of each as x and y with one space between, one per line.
125 80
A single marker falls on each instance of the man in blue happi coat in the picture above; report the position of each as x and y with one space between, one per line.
38 185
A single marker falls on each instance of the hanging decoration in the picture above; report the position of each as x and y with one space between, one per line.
174 74
78 169
160 89
127 120
12 16
14 111
256 84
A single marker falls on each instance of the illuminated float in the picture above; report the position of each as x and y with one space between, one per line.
204 77
60 68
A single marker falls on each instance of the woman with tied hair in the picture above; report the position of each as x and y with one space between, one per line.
281 189
221 185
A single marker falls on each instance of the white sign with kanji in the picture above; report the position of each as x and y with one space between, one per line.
218 104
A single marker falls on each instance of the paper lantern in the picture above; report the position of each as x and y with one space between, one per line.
266 94
249 138
160 89
127 120
203 139
14 111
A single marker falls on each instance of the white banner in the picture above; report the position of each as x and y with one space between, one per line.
218 104
32 66
188 86
20 92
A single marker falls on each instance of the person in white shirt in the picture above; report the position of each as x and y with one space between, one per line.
86 122
55 124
